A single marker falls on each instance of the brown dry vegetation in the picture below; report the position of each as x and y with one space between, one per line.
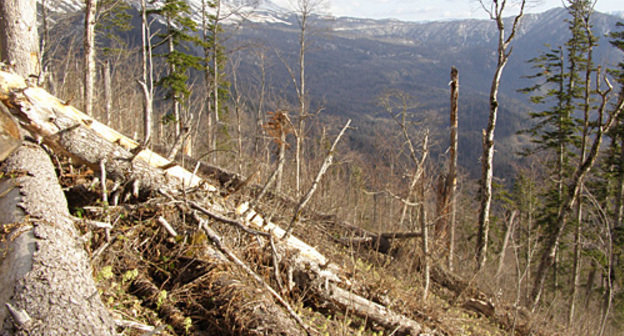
148 276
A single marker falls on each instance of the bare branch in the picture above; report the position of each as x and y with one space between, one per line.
306 198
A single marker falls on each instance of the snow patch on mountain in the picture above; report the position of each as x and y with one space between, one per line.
232 11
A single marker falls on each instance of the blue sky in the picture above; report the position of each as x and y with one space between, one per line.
417 10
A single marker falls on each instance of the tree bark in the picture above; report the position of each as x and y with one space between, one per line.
45 275
19 41
304 11
576 274
424 230
108 92
215 77
487 160
451 180
148 75
508 233
89 57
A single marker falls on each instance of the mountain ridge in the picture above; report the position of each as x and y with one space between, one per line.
351 61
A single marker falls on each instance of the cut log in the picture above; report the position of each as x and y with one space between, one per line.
322 278
88 141
365 309
480 302
46 284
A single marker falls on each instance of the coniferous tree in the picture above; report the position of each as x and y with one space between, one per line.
215 61
565 88
584 41
178 39
611 191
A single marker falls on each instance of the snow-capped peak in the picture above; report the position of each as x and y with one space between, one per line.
231 10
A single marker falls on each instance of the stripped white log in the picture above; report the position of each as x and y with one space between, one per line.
48 118
326 280
305 253
134 325
167 226
365 308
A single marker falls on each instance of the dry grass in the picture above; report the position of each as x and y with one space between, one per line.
147 276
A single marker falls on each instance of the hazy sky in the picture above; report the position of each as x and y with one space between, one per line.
416 10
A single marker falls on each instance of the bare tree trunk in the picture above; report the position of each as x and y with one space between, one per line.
207 80
43 62
89 58
19 41
175 98
215 77
487 160
237 100
108 92
576 273
148 78
305 12
259 131
451 180
424 225
508 233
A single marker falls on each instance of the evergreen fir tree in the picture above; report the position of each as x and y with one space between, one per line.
564 88
179 38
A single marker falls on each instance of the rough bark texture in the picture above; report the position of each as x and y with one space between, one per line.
45 271
19 41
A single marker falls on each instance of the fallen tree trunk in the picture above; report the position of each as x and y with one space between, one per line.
321 277
344 300
480 302
71 132
46 283
68 130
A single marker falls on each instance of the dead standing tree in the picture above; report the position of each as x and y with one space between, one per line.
303 9
147 81
89 55
495 11
447 205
